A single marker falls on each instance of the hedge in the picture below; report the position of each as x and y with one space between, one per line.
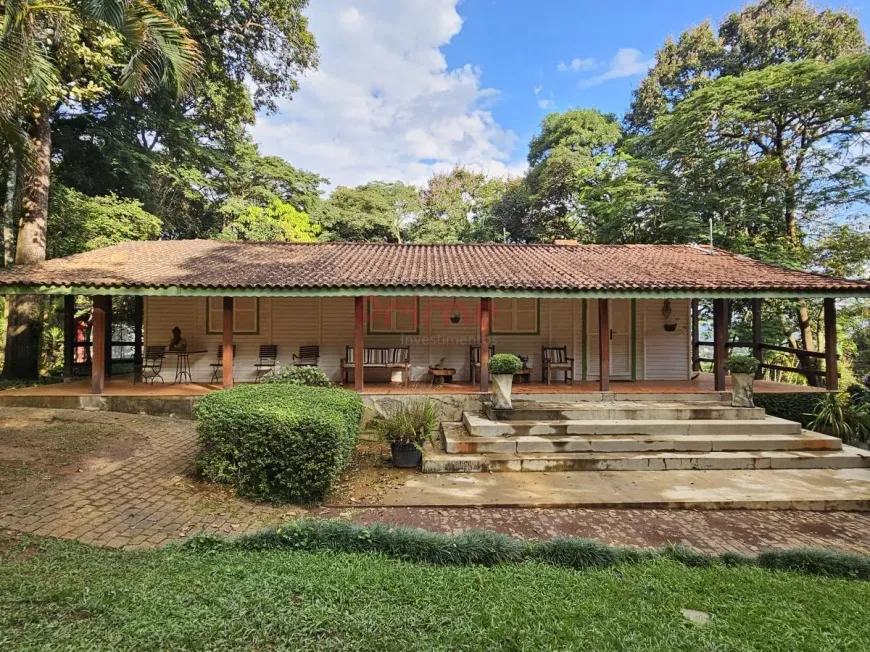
484 548
277 442
794 407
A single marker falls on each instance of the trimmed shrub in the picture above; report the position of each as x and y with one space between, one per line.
310 376
504 363
276 441
794 407
741 364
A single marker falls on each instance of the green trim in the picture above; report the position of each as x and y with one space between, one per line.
633 342
208 331
585 341
370 321
423 291
537 330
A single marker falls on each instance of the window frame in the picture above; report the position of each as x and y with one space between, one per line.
370 322
211 329
514 331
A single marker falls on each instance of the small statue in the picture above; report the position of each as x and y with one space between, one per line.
177 343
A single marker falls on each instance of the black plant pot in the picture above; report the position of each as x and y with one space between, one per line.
406 456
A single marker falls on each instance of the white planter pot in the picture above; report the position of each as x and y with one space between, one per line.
742 390
501 391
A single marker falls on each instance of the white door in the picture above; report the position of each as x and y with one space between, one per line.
620 338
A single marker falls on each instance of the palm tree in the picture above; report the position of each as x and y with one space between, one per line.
53 52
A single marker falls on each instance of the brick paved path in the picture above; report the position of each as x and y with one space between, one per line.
149 499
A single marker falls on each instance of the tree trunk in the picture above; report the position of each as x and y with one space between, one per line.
24 328
791 227
9 213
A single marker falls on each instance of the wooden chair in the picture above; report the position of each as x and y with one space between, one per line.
217 368
555 358
474 360
308 356
268 361
152 365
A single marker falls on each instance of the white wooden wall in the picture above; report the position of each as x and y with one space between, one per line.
329 322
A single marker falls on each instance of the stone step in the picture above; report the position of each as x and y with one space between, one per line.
437 461
457 440
640 410
480 426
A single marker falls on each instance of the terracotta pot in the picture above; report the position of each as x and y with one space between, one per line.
742 390
501 391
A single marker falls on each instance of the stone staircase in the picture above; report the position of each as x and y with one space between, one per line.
631 436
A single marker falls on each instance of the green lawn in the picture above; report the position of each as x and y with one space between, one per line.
62 595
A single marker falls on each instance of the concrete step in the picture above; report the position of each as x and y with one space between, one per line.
457 440
437 461
640 410
479 426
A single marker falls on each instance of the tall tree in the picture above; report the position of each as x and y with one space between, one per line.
374 212
51 54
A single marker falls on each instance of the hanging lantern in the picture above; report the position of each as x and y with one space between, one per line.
667 314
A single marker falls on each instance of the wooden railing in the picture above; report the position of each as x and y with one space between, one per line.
818 355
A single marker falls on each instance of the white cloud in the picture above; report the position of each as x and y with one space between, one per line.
628 62
384 105
544 102
576 65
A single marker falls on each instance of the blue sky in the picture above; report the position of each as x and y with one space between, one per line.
411 87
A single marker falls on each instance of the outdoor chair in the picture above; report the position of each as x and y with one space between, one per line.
217 368
308 356
267 363
555 358
152 365
474 359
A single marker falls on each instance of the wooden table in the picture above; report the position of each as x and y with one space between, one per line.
525 375
442 375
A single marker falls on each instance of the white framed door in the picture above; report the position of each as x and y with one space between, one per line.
620 338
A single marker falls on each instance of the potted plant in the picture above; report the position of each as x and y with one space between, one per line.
742 369
502 367
406 427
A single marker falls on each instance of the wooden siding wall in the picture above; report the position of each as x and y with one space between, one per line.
328 322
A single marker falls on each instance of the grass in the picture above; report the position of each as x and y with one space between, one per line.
64 595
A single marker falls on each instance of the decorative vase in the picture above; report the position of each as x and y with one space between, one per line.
501 391
406 456
742 390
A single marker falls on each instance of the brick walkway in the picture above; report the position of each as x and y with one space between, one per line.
149 498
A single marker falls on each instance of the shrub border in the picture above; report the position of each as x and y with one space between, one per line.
485 548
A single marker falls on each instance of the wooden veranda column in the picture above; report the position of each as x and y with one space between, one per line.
98 344
696 333
359 343
228 342
757 337
832 379
485 323
69 335
720 339
604 344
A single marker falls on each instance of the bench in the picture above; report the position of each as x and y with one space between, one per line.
398 359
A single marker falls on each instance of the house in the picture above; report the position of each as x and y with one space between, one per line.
622 312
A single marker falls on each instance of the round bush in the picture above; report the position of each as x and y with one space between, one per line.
741 364
310 376
276 441
504 363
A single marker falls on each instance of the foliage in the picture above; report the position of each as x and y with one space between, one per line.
212 590
837 415
78 223
308 375
278 222
277 442
504 363
374 212
798 407
411 422
741 364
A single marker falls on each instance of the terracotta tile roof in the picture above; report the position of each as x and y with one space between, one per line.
209 264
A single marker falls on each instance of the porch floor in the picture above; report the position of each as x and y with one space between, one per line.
703 384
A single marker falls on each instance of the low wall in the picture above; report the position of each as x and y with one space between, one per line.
180 407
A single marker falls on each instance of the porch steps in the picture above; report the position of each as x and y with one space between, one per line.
479 426
631 436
